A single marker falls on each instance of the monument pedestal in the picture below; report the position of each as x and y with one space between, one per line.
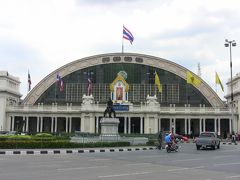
109 129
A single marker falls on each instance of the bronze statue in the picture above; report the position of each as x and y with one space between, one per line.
109 109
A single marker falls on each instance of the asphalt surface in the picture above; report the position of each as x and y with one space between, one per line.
187 164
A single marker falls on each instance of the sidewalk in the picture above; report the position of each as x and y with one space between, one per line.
72 151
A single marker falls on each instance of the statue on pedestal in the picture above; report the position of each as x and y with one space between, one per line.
109 109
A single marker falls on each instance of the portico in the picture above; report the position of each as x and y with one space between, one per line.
151 121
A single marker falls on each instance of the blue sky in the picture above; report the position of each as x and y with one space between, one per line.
43 35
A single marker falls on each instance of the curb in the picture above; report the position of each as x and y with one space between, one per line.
71 151
230 143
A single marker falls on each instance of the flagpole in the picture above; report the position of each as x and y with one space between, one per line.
216 81
122 48
55 90
28 82
122 45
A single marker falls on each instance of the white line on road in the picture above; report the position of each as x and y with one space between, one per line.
154 156
80 168
138 164
231 150
231 177
181 169
216 157
127 174
227 164
99 159
180 160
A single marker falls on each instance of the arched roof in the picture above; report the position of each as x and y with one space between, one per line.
134 58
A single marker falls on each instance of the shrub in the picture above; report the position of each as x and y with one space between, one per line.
14 137
151 143
56 144
43 135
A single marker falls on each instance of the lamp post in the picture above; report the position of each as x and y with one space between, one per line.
231 44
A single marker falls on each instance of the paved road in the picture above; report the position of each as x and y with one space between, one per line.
188 164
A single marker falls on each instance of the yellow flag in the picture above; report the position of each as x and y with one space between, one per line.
218 81
157 82
192 79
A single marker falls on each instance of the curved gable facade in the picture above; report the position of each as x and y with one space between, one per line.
129 58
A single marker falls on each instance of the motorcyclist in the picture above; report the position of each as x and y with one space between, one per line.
168 139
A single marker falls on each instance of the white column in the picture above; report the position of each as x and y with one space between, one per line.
204 125
38 124
55 128
170 124
27 124
8 123
41 124
156 125
125 125
129 125
200 125
189 126
174 125
70 124
230 126
97 124
52 123
141 125
13 121
219 126
185 126
24 125
66 124
215 125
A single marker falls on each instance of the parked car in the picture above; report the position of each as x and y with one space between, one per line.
208 139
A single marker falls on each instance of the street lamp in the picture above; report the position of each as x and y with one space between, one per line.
231 44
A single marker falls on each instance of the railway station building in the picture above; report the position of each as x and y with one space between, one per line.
76 100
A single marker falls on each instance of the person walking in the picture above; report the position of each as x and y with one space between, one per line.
160 139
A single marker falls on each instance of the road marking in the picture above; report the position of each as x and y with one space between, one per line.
45 166
181 169
180 160
227 164
216 157
230 177
138 164
127 174
80 168
99 159
231 150
153 156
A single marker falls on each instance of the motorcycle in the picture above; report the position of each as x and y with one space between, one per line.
174 147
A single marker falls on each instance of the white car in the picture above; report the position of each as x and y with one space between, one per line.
208 139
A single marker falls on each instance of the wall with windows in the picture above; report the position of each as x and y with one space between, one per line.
141 79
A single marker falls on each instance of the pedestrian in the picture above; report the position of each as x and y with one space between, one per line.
233 137
160 138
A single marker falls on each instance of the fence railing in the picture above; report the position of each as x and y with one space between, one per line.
132 108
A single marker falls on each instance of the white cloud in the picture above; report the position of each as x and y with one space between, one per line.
43 35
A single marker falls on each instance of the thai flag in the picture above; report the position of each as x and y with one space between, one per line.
60 81
29 82
127 35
